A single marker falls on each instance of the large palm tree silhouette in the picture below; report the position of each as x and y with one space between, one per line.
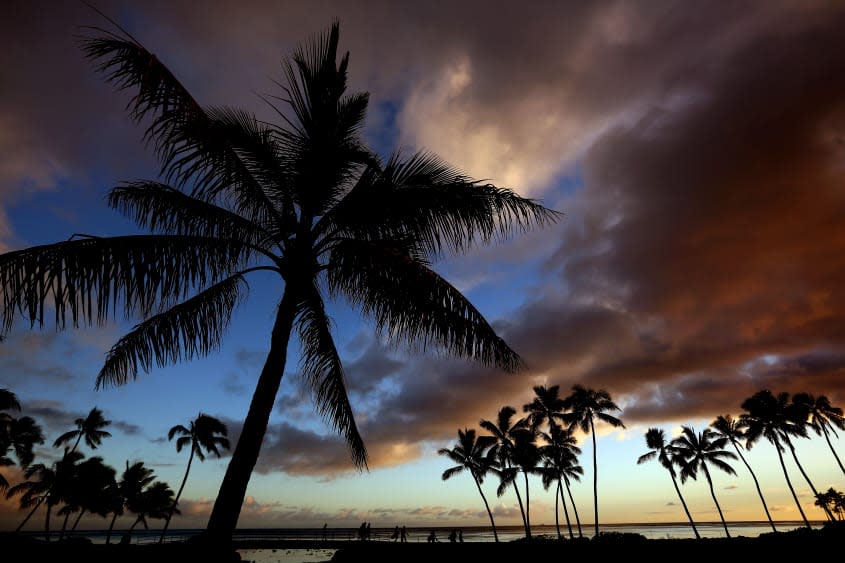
822 417
655 439
730 428
205 434
695 451
305 201
584 406
476 455
89 428
503 430
768 416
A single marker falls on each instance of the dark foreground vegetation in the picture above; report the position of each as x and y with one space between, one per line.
827 539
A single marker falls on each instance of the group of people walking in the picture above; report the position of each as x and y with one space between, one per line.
399 534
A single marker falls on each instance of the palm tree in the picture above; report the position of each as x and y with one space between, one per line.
728 427
206 434
134 480
8 401
154 501
832 501
655 439
503 431
304 200
695 451
18 436
90 428
476 455
547 406
526 459
767 416
585 406
822 417
95 481
560 463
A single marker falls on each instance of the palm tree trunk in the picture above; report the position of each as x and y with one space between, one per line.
683 502
178 494
47 522
565 510
791 488
574 508
64 525
557 510
78 518
806 477
28 516
487 506
230 498
521 507
111 527
829 445
756 484
713 494
595 479
527 507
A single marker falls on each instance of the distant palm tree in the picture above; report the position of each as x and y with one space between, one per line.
18 436
832 501
153 502
206 434
822 417
560 463
585 406
476 455
547 406
503 431
134 480
655 439
8 401
695 451
767 416
95 481
729 427
526 459
304 200
90 428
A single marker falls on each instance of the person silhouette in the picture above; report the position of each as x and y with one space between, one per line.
461 535
368 531
362 531
325 526
403 534
453 536
395 535
432 537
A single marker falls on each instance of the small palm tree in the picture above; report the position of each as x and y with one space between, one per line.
696 451
832 501
155 501
89 428
768 416
585 406
822 417
560 463
95 481
134 480
503 431
476 455
655 439
728 427
205 435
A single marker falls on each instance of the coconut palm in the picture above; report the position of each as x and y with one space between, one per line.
8 401
503 431
304 200
155 501
728 427
546 406
476 455
95 481
134 480
205 434
832 501
18 437
560 463
768 416
89 428
696 451
584 406
655 439
822 417
526 459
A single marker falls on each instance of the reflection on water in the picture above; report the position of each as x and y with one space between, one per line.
286 555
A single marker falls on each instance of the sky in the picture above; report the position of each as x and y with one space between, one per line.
696 152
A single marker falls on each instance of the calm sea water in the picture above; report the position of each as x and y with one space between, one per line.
470 534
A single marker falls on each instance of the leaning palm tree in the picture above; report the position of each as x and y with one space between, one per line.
206 434
476 455
655 439
560 463
768 416
154 501
127 495
89 428
798 415
304 200
822 417
729 427
95 481
693 451
584 406
503 430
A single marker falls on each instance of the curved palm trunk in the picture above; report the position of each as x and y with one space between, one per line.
829 445
574 508
806 477
713 494
595 480
756 484
791 488
521 507
64 525
684 504
111 527
487 506
178 494
76 522
28 516
527 508
230 498
565 510
557 518
47 522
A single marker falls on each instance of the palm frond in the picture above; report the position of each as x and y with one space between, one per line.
414 304
323 371
191 328
452 471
